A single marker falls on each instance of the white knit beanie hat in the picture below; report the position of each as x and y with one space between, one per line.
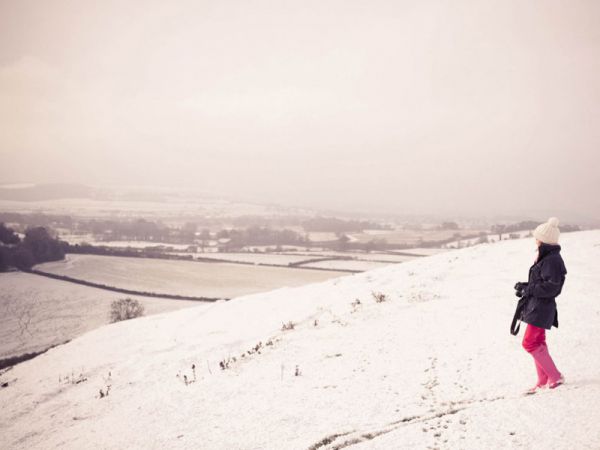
548 232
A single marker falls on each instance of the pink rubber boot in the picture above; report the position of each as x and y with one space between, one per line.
534 338
545 362
542 376
542 381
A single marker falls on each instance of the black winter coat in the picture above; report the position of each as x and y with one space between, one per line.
546 279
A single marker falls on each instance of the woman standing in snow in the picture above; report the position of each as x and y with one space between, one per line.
546 279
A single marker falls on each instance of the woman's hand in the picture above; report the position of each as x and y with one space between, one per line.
520 288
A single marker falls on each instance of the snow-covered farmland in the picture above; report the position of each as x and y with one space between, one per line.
273 248
432 366
139 244
410 236
37 312
169 206
386 257
297 257
421 251
492 237
255 258
346 264
322 236
192 278
76 238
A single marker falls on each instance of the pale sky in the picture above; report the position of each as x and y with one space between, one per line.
487 107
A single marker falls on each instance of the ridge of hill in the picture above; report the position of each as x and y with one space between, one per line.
431 366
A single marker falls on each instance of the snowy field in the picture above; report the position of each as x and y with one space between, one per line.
37 312
138 244
71 238
409 236
322 236
350 264
255 258
358 255
433 366
297 257
172 205
221 280
490 237
425 251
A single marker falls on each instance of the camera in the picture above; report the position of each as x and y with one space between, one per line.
520 288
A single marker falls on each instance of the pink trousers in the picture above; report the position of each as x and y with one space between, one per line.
534 342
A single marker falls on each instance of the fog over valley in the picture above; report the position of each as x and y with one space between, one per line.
403 107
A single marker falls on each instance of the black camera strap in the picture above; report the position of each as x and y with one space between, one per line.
516 321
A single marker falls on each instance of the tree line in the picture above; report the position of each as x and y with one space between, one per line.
335 225
37 246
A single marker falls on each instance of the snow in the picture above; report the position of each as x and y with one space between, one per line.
164 206
138 244
363 256
193 278
491 237
346 264
322 236
433 366
425 251
254 258
37 312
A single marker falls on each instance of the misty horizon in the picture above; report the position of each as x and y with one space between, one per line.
402 108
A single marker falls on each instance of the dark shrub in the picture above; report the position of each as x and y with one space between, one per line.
8 235
124 309
43 246
23 258
5 258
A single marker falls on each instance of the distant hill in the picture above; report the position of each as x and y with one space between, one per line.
54 191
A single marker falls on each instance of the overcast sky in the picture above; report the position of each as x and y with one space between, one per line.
401 106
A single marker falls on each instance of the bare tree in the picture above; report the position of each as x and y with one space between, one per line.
23 309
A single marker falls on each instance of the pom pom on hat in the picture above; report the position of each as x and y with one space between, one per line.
548 232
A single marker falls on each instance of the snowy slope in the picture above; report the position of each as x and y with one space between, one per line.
433 366
57 310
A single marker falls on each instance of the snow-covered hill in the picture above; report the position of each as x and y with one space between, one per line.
432 366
